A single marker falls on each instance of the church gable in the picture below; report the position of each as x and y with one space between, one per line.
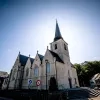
48 56
49 60
20 62
27 67
37 61
29 62
36 66
17 62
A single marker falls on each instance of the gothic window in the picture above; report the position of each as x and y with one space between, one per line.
55 46
27 71
48 67
36 71
64 46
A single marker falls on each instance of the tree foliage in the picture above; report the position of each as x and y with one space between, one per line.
86 71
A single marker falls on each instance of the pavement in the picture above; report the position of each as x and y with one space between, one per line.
2 98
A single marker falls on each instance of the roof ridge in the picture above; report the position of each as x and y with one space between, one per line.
26 56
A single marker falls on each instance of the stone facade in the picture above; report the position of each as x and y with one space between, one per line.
55 63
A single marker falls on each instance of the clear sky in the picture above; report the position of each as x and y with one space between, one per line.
29 25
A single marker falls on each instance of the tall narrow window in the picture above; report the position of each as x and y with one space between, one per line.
36 71
55 46
48 67
64 46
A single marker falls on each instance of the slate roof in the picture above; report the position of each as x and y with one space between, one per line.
32 60
57 33
56 55
23 59
41 57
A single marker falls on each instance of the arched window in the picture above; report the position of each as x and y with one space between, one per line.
48 67
36 71
27 71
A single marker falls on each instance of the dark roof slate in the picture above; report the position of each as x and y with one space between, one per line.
56 55
32 60
41 57
23 59
57 33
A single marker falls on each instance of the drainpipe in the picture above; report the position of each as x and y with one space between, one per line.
46 73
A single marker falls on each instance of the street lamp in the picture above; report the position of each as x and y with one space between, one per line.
46 78
46 72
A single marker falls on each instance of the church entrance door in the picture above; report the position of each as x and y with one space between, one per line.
53 84
70 82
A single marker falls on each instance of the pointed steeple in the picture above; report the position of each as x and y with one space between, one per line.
57 33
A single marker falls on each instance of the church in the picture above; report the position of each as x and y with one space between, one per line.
38 72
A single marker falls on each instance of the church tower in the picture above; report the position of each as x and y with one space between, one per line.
59 46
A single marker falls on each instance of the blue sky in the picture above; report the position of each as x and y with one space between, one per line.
29 25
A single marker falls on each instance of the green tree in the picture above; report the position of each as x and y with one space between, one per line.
86 71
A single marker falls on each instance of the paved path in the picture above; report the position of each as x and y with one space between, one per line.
2 98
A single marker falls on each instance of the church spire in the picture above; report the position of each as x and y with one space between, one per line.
57 33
